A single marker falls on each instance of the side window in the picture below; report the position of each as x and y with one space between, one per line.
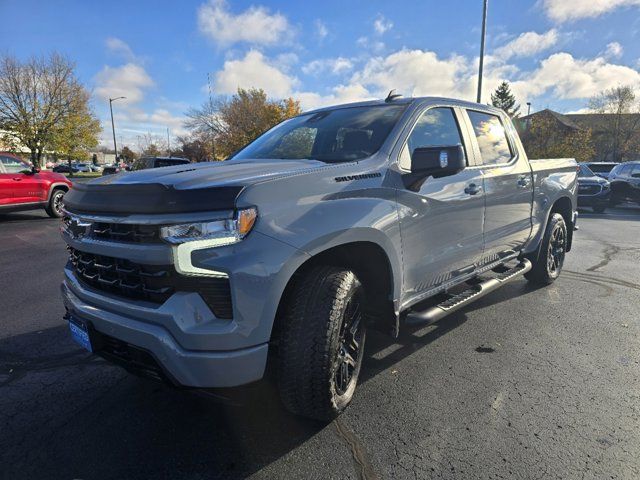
492 138
436 127
13 165
635 173
625 171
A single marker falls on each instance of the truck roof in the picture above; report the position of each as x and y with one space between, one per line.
410 100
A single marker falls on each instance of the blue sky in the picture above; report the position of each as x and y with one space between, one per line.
556 53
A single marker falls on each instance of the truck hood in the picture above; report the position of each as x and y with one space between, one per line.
179 189
212 174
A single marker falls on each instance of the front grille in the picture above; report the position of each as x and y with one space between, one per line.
589 189
148 282
123 232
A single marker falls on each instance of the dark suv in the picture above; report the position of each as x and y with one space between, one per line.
593 191
157 162
625 183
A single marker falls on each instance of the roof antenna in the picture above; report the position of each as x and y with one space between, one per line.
392 96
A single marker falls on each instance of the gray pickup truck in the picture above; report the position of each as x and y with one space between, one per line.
370 215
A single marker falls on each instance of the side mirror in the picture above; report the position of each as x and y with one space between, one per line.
440 161
35 170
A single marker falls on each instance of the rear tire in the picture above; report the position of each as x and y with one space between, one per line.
321 343
548 263
55 205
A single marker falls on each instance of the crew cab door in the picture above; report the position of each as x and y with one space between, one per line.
440 218
22 187
508 185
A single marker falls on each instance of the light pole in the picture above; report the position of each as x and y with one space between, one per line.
484 32
113 128
528 108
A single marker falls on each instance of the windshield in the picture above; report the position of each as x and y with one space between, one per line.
585 172
340 135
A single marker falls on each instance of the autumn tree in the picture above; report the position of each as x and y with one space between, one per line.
229 123
194 147
542 138
618 134
504 99
36 96
78 131
127 154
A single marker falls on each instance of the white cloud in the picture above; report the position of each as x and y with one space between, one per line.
333 65
614 50
527 44
256 25
381 24
120 47
321 29
567 77
567 10
129 80
415 72
254 70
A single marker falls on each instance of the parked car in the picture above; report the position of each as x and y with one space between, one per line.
369 215
625 183
144 163
95 168
593 191
64 168
111 169
82 167
23 187
601 169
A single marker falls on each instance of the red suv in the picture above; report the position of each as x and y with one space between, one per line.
25 188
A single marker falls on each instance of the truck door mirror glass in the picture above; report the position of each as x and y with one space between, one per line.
437 161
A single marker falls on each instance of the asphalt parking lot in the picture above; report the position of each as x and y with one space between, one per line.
525 383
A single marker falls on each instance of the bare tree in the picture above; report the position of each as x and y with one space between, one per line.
619 136
35 98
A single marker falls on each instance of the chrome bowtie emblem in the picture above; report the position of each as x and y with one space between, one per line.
76 227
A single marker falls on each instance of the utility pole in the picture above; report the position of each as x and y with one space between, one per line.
528 108
484 32
113 127
168 142
213 144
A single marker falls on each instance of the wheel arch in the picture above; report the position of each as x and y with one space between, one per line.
373 267
564 207
57 186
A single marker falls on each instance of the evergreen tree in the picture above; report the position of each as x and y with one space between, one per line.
504 99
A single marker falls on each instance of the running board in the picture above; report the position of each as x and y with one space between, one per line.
456 302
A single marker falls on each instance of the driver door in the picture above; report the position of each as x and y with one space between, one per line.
441 219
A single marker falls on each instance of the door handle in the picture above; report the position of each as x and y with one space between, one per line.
17 179
472 189
523 181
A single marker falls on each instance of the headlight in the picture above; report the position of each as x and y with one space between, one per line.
216 233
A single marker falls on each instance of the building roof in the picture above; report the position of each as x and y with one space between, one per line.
593 121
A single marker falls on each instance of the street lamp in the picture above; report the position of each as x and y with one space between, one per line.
113 128
484 33
528 108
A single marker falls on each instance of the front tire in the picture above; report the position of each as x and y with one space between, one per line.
321 343
55 206
550 258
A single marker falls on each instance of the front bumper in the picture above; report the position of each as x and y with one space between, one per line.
191 345
599 199
193 368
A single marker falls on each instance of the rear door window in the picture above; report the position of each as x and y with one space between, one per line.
492 138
